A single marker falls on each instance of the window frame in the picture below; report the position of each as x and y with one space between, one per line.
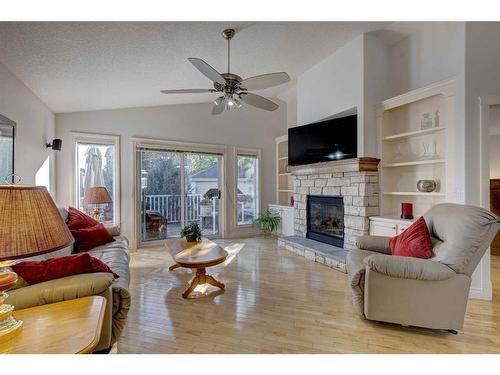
252 152
105 140
137 143
6 121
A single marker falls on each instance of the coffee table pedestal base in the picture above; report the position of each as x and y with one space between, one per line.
200 279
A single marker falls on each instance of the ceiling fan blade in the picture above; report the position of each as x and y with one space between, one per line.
219 108
207 70
265 81
187 91
258 101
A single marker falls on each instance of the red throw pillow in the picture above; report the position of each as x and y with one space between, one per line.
55 268
88 238
78 219
415 241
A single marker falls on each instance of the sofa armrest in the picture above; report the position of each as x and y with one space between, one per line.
408 267
114 230
378 244
58 290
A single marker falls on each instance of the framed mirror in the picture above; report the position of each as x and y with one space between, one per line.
7 140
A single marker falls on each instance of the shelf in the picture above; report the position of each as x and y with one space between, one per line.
285 174
285 191
416 133
416 162
283 158
416 193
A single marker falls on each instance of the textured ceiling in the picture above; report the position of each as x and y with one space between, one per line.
88 66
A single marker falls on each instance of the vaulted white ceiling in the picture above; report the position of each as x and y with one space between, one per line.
89 66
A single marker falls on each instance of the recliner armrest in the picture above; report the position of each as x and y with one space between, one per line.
63 289
409 268
378 244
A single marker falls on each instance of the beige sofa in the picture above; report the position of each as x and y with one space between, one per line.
430 293
115 255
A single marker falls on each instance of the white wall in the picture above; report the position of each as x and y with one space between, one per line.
290 97
247 128
35 127
430 52
355 76
332 86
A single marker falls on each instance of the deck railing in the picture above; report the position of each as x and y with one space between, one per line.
169 206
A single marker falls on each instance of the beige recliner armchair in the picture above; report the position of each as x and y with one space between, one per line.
429 293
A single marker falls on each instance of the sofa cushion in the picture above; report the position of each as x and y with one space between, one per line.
414 242
116 259
460 234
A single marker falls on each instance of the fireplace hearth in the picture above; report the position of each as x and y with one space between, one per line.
325 219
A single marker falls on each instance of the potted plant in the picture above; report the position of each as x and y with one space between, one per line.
206 207
192 232
268 221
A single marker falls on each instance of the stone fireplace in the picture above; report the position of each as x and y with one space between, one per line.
354 182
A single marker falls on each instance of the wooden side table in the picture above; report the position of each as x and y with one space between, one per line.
68 327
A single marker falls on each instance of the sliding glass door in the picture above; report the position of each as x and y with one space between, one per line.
176 189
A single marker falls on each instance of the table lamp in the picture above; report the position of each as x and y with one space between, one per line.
30 224
97 195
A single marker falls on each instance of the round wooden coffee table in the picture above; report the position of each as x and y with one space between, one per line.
199 256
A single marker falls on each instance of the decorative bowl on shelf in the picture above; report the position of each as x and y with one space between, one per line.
426 186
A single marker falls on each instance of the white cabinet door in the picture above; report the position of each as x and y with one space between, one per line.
379 228
287 222
285 227
402 227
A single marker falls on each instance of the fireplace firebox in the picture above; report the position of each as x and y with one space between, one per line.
325 219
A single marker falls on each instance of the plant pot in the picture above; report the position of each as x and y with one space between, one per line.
191 238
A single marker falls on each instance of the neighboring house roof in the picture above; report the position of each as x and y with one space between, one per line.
213 172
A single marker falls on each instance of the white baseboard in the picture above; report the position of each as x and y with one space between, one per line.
485 293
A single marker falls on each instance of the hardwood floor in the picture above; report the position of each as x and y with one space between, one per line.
278 302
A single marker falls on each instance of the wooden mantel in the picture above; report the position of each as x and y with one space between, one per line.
346 165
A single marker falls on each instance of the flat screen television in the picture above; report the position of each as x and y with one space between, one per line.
327 140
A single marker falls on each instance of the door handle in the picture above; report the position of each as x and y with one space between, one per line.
219 194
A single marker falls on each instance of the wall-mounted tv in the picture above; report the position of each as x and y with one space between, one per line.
328 140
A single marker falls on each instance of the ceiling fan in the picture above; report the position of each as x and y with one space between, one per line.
232 86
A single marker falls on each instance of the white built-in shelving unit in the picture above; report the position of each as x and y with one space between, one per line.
403 141
284 179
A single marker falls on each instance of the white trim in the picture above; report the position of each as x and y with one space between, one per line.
255 152
165 144
485 291
446 88
100 139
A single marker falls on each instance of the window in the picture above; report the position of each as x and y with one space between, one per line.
97 167
7 130
247 196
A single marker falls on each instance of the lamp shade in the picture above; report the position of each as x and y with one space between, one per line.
96 195
30 223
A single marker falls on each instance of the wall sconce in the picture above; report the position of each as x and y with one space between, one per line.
55 145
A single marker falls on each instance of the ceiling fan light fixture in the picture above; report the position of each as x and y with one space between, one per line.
219 100
232 102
